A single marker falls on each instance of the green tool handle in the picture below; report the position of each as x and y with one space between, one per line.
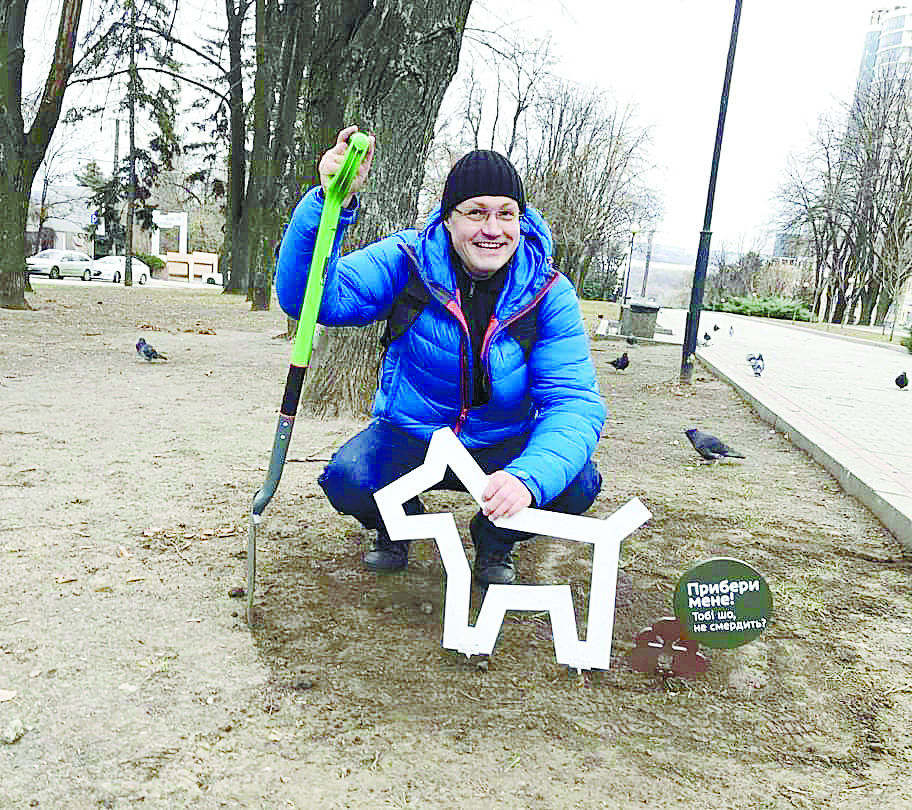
335 195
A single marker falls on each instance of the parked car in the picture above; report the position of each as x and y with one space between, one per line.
56 263
111 268
212 278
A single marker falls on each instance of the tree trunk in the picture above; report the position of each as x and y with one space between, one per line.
13 218
399 61
282 34
839 308
884 301
21 152
869 296
235 243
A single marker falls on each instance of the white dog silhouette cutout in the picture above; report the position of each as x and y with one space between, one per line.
606 535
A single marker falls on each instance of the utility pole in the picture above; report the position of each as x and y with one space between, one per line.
131 189
699 279
648 257
115 225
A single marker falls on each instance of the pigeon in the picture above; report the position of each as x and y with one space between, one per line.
620 363
707 337
715 327
146 352
756 363
902 380
631 340
709 446
731 331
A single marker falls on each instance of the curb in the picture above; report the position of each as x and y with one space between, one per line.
884 504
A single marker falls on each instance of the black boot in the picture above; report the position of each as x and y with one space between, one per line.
493 563
386 555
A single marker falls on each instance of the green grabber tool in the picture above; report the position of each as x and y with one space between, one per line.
358 145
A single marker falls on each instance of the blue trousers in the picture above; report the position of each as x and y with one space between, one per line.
382 452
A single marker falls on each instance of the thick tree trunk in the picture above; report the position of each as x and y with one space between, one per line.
13 217
884 301
21 152
839 308
869 296
399 61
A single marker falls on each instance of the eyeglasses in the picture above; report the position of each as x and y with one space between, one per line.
482 214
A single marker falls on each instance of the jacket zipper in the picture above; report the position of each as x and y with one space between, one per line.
453 305
454 308
496 326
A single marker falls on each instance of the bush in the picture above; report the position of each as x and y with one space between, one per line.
789 309
907 341
155 263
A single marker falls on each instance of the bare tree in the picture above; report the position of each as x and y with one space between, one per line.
819 197
586 174
738 277
893 203
850 196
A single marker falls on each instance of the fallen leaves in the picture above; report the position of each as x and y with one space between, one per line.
181 539
197 534
199 329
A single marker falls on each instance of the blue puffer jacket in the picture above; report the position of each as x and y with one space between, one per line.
425 381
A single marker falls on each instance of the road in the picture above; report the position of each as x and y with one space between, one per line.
44 281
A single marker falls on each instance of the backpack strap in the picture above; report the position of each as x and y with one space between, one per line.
414 297
406 307
523 328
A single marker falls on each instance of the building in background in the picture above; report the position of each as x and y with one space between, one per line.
887 44
65 224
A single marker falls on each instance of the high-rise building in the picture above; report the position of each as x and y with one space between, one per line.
887 44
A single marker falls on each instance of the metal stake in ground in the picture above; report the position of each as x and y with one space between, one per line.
358 145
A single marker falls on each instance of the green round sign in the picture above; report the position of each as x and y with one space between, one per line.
723 603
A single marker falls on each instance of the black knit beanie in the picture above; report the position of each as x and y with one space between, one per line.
481 173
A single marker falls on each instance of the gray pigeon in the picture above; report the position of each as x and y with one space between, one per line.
709 446
146 352
902 380
756 363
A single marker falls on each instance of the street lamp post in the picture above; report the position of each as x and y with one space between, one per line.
699 280
633 233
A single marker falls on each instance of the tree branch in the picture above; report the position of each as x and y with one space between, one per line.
208 88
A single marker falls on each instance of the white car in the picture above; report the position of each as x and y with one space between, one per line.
56 263
111 268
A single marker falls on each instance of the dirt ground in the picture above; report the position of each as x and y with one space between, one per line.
129 677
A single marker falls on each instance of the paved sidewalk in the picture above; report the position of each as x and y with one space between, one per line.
835 397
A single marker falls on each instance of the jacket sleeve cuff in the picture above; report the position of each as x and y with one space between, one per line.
347 216
530 484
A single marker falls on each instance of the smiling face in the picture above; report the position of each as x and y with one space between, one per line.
484 244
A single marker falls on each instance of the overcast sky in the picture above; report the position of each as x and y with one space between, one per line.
795 60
